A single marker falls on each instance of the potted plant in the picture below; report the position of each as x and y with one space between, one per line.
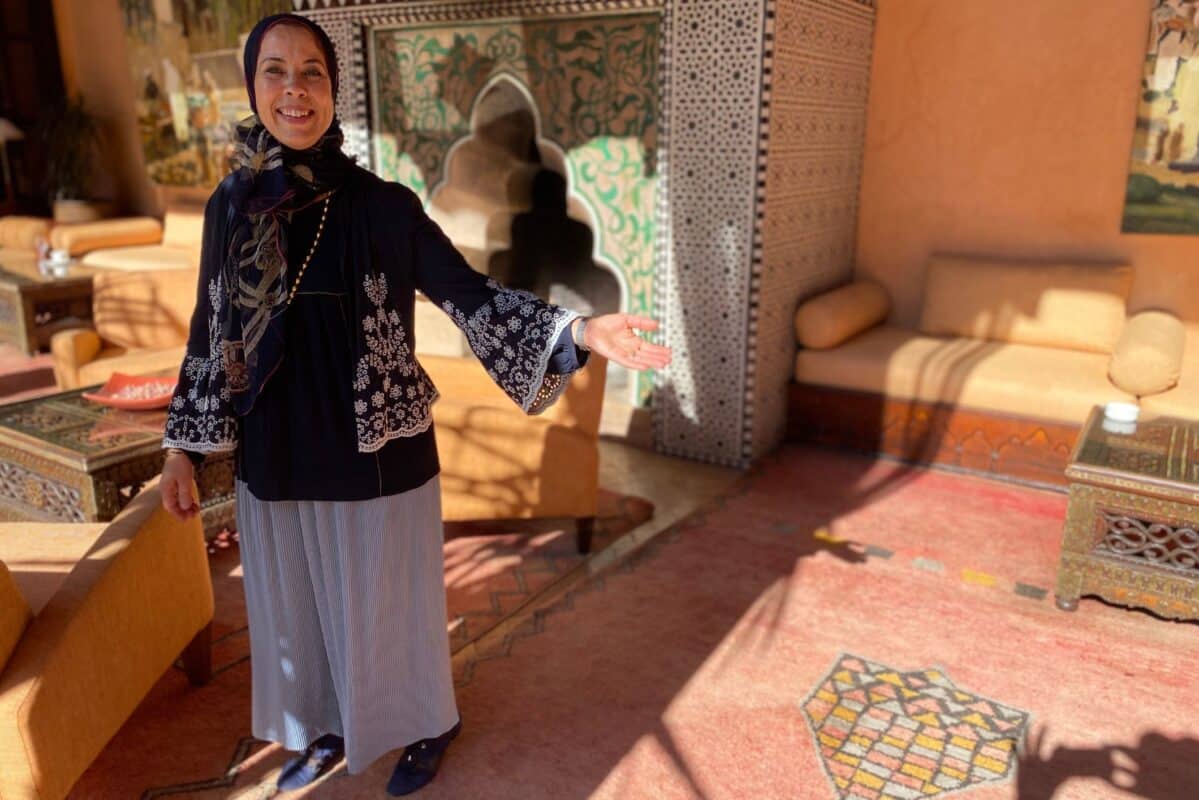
71 136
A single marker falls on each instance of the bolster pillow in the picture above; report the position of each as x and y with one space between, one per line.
1147 358
831 318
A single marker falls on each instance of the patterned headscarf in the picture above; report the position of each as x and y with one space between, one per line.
270 183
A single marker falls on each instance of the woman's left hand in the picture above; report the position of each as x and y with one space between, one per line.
614 336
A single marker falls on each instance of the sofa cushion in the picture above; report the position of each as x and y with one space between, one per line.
40 555
14 614
22 233
144 258
183 229
829 319
130 362
1065 305
83 237
1183 399
1039 382
144 309
1148 356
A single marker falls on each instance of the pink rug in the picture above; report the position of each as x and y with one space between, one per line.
833 628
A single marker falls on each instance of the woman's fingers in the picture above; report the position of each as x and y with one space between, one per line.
187 504
642 323
641 360
177 497
170 497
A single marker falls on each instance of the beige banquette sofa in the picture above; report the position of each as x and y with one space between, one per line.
91 616
140 322
999 373
137 243
143 294
21 234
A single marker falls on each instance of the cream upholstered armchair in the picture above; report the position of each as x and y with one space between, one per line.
176 245
139 325
91 616
499 463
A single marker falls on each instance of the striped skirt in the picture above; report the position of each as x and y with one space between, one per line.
347 611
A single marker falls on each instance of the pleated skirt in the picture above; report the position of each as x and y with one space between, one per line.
347 612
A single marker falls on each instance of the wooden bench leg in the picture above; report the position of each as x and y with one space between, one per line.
584 527
197 657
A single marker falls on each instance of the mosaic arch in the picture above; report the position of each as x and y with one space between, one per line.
590 82
579 206
728 148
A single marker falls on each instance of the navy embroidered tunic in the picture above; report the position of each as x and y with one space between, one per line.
345 415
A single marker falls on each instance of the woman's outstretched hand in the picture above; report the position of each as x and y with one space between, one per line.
614 336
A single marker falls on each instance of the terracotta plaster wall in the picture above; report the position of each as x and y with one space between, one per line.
91 43
1005 128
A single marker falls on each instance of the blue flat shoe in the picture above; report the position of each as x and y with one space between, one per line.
418 765
320 757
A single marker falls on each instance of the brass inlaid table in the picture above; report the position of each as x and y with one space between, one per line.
1132 525
67 459
33 306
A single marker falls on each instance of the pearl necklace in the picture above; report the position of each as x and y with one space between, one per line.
316 239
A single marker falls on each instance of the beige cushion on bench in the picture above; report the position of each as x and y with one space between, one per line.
1183 399
21 233
182 233
146 257
1066 305
833 317
130 362
84 237
1025 380
1148 357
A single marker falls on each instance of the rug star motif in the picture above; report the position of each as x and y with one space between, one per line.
885 734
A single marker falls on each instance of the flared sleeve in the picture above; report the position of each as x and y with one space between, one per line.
201 418
517 336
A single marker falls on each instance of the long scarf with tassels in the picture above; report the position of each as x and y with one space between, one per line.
271 182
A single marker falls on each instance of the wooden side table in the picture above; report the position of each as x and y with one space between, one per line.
67 459
33 306
1132 525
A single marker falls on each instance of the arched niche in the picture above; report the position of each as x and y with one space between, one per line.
495 203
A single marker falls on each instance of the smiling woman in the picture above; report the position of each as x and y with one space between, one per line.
293 92
300 360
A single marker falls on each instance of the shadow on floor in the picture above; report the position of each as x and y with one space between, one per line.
1152 769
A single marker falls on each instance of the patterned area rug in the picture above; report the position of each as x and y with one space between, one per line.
710 664
184 742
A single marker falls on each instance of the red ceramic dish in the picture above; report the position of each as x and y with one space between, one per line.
134 392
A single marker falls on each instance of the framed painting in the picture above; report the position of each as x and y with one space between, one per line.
185 56
1163 180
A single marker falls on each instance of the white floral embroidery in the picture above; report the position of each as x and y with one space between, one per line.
201 418
513 334
387 365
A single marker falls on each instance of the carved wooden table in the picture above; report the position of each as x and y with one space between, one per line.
1132 526
67 459
33 306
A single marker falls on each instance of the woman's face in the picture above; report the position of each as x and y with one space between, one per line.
292 86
